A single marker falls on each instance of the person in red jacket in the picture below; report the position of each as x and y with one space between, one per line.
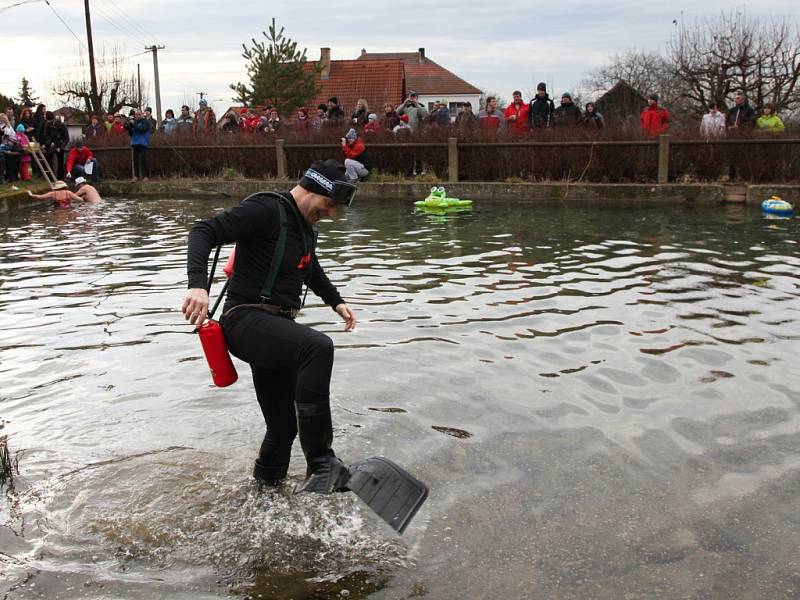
490 118
118 127
654 119
81 162
516 115
356 162
248 121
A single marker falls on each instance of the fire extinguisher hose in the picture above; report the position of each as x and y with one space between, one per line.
211 280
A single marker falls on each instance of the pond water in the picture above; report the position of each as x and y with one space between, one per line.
605 403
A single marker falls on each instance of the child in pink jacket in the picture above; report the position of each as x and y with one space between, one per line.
25 159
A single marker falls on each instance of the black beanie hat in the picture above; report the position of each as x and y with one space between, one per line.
330 169
542 86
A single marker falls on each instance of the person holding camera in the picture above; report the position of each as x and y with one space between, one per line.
414 109
356 163
138 127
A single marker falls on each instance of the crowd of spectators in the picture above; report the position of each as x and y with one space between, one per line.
518 120
40 126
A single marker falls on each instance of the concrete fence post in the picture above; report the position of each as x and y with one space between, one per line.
280 156
663 158
452 160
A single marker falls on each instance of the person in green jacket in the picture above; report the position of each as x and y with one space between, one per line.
769 122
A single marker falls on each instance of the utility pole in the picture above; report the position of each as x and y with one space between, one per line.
201 94
154 49
139 86
95 96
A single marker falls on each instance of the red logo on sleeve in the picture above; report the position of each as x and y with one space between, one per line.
304 261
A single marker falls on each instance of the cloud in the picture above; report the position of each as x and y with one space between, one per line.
497 46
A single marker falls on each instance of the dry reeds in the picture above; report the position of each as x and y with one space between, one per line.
9 467
482 156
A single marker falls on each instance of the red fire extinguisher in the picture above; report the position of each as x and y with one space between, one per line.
223 373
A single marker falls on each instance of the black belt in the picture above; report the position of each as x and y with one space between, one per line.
273 309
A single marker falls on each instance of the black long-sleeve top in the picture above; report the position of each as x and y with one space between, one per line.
56 134
255 225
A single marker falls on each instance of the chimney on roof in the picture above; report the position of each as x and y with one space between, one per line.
325 61
363 51
422 56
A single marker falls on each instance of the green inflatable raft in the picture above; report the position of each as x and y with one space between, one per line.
438 199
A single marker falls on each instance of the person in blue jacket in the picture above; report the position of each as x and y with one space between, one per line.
138 127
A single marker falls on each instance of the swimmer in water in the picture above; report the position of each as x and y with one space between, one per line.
60 195
86 191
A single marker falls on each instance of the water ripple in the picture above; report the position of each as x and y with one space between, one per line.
588 365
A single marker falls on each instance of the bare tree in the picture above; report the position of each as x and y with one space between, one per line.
717 57
646 72
188 99
116 88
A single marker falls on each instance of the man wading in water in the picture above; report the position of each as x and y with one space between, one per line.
292 363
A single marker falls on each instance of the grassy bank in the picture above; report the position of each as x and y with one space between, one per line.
35 184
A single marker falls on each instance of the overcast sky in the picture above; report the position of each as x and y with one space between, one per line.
497 46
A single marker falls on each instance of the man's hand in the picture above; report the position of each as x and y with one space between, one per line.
195 306
346 314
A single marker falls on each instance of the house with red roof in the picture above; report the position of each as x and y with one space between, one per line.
389 77
379 78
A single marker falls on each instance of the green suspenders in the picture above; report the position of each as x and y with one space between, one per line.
280 247
277 256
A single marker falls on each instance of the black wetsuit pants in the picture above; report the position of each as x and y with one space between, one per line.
291 366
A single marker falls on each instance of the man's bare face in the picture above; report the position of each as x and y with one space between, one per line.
318 207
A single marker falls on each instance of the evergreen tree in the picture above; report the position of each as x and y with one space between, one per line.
5 102
27 96
277 73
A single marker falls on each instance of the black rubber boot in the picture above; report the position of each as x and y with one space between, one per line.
325 473
269 476
272 463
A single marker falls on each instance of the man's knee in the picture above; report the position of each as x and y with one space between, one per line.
322 344
318 347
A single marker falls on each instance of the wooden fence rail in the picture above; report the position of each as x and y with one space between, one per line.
277 154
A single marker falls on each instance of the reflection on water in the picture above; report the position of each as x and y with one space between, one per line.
604 403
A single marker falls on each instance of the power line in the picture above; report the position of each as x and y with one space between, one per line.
107 14
119 27
65 25
120 60
134 24
4 8
99 63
